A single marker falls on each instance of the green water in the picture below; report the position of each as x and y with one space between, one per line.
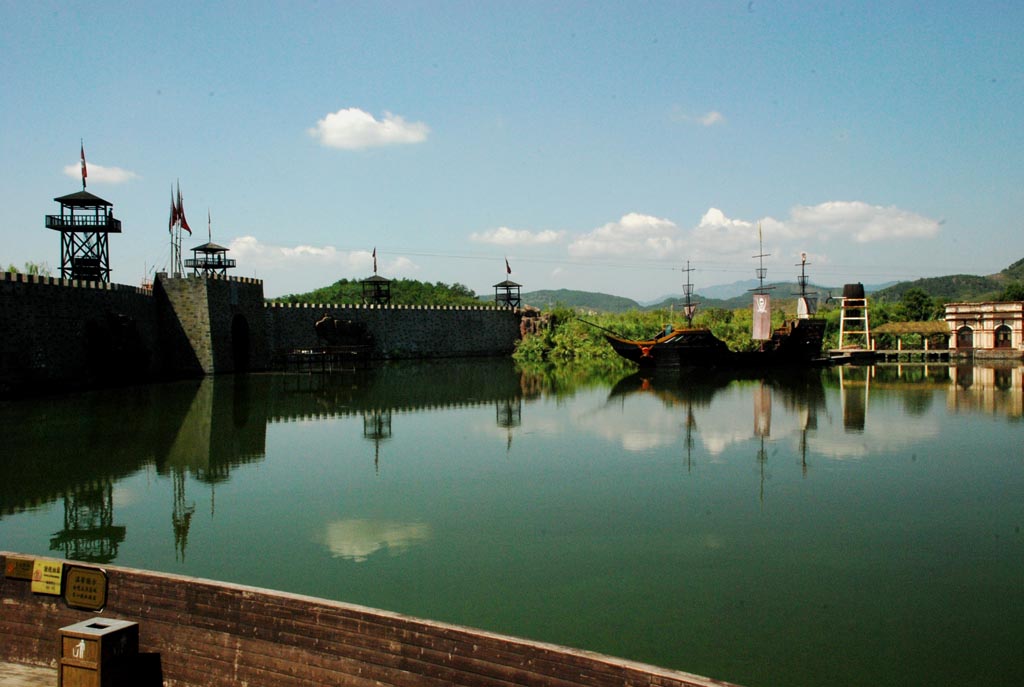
849 526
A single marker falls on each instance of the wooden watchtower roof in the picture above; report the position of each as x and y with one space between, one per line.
210 259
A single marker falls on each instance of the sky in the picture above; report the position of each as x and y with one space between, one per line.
599 146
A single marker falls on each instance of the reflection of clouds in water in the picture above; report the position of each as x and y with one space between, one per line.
884 432
124 497
715 442
356 539
640 424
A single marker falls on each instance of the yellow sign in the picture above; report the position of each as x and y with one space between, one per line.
18 568
46 577
86 588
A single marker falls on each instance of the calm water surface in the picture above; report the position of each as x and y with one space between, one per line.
848 526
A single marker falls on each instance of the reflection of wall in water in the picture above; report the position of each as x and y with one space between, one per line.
993 390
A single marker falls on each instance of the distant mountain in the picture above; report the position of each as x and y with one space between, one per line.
954 287
585 300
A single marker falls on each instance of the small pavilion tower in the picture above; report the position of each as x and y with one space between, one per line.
210 260
507 294
85 221
376 290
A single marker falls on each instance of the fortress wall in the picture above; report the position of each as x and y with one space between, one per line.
402 331
213 323
57 333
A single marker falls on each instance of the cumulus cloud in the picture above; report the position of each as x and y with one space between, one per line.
295 269
353 129
860 221
503 236
632 235
851 220
99 174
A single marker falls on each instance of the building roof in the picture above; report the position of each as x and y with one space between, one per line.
901 328
210 247
83 199
507 283
376 279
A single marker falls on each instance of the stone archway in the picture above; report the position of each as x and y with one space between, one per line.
1003 336
240 343
965 337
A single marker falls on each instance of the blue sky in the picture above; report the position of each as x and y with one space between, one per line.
596 146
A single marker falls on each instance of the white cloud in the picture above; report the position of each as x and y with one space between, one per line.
100 174
297 269
711 118
633 235
354 129
860 221
503 236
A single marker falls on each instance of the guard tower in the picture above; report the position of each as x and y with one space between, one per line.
853 319
85 222
506 294
210 260
376 290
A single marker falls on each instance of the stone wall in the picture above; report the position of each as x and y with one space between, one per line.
215 324
212 634
57 333
402 331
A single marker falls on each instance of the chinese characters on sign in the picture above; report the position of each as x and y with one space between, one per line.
46 576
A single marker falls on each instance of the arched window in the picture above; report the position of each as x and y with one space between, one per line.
1004 336
965 337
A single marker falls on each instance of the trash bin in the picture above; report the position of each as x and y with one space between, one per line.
94 652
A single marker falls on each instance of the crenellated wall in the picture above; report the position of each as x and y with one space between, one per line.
59 334
401 331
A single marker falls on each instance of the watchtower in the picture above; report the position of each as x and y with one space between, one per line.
853 319
506 293
376 290
210 260
85 222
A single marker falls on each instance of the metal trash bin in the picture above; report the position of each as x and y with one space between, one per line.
94 652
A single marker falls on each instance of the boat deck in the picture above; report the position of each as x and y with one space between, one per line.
19 675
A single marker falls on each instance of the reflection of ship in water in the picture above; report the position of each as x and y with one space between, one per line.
799 390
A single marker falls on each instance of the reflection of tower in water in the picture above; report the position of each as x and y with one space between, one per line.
181 516
377 427
89 532
509 415
854 385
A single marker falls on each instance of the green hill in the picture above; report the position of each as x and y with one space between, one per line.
579 300
954 287
403 292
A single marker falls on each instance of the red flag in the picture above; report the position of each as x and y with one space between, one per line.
174 213
181 213
375 259
85 172
508 270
